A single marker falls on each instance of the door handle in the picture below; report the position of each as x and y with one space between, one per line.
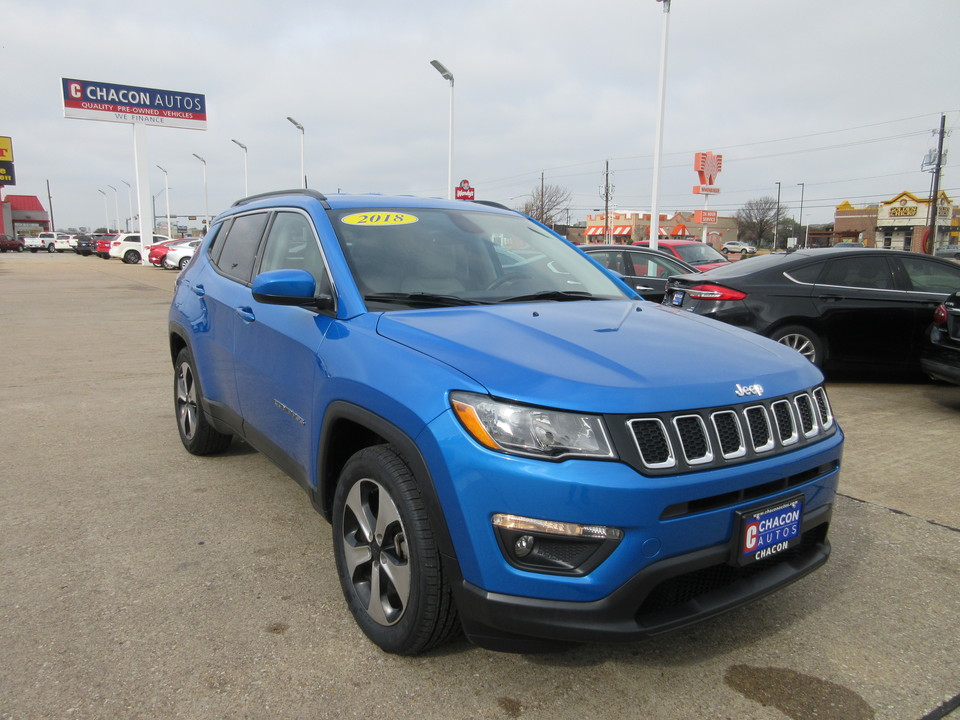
644 288
830 298
246 314
199 290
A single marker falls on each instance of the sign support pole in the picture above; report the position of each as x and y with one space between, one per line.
144 196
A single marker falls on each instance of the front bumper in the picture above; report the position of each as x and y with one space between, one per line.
641 588
662 597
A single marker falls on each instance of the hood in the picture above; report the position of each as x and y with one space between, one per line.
601 357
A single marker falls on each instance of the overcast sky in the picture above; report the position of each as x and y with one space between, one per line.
841 95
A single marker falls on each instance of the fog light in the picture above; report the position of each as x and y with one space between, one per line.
523 546
557 548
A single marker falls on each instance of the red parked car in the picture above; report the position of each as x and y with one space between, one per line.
701 255
103 245
10 243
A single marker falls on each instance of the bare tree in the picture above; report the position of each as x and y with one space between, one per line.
546 202
757 220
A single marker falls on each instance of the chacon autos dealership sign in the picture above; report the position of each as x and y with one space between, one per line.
89 100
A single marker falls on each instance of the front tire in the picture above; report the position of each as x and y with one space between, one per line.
803 340
51 248
387 557
198 436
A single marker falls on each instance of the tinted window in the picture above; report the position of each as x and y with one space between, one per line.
858 271
292 245
239 247
612 259
807 273
928 276
653 266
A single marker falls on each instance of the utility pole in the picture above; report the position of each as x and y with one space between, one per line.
606 191
543 202
776 220
929 247
53 226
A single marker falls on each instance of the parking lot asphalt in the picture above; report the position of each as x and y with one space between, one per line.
138 581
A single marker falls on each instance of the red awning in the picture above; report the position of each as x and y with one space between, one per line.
614 230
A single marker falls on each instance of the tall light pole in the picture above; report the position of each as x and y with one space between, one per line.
129 203
106 211
800 221
447 75
166 187
206 203
303 172
246 188
116 207
776 219
661 101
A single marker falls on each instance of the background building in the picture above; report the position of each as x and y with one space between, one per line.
23 215
900 223
631 226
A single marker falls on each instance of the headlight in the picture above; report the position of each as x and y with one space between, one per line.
532 431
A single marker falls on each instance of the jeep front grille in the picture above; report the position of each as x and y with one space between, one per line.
714 437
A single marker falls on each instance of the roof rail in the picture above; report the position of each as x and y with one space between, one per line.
274 193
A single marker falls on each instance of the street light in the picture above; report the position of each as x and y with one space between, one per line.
800 221
776 219
447 75
246 189
116 207
129 203
206 203
303 174
106 211
661 101
166 187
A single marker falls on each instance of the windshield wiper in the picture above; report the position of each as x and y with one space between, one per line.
559 295
420 299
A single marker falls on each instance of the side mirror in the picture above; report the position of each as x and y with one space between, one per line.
289 287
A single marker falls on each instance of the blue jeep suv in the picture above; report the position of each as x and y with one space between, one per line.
506 439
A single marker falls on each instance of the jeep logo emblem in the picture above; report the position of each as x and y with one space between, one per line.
755 389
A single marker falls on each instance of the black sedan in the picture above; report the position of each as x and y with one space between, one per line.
869 307
644 270
86 245
941 355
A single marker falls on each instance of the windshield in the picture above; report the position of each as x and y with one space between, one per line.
427 257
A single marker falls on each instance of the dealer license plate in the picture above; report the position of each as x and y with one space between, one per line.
677 299
769 530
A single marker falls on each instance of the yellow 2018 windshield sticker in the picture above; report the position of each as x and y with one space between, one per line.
380 219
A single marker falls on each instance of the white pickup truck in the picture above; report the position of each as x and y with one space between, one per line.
49 241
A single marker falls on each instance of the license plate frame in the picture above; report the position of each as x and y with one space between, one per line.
768 530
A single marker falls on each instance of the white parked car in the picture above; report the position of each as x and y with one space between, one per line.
735 246
127 247
177 257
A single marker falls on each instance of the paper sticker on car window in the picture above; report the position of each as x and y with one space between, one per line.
380 219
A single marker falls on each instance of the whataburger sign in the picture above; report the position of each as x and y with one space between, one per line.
90 100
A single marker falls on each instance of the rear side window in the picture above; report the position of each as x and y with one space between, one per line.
929 276
807 274
860 272
651 266
238 250
612 259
